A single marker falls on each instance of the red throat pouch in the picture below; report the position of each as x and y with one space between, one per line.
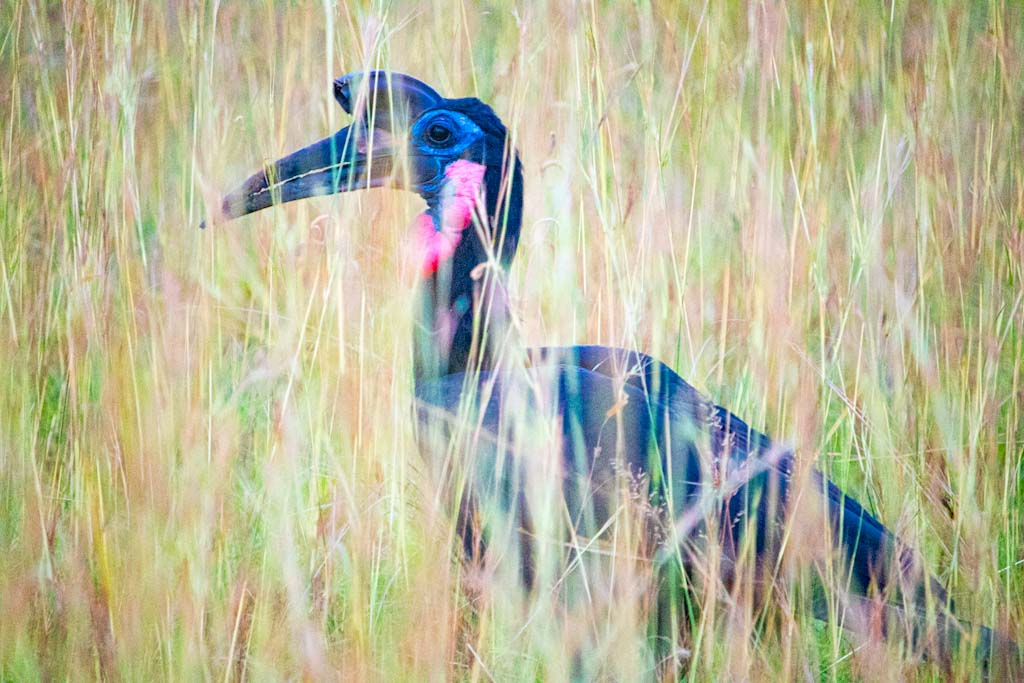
459 195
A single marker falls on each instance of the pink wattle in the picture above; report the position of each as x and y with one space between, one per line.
459 195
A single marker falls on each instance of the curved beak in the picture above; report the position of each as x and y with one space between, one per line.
357 157
354 158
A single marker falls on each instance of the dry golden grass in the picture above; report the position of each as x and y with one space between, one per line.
813 211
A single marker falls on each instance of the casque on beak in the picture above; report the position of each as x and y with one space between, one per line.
357 157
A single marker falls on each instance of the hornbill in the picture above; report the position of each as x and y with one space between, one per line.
617 420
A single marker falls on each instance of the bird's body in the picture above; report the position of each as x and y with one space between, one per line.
595 425
619 418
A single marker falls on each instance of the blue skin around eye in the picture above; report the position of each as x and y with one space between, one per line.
464 133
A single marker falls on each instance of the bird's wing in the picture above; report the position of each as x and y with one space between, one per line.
734 446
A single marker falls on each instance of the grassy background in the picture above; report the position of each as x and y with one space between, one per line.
813 211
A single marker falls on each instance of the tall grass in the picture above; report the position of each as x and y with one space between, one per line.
813 211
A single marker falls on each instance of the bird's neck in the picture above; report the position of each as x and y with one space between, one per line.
468 237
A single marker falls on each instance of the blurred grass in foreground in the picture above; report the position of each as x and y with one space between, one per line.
814 212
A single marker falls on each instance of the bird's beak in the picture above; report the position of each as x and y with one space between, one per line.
358 157
354 158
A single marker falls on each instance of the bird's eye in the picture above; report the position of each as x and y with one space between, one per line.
438 134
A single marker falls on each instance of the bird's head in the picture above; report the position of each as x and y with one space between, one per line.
452 152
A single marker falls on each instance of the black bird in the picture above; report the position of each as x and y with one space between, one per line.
618 419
